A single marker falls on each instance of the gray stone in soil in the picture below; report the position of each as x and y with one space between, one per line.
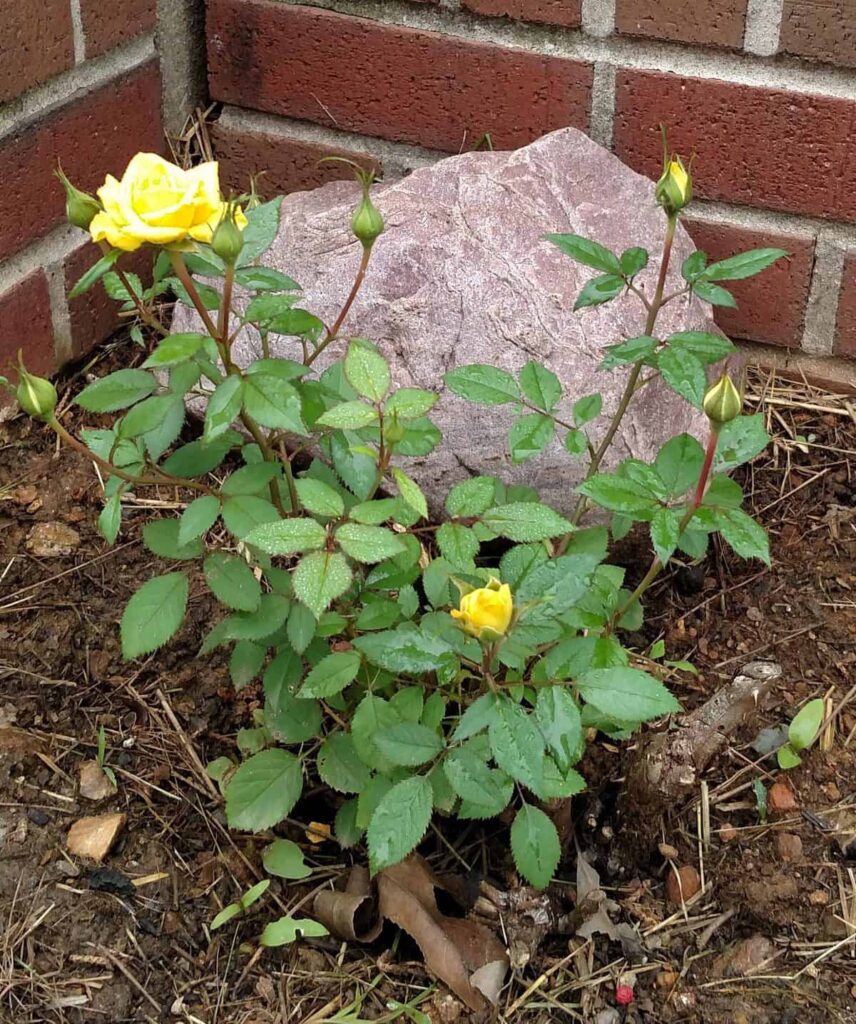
463 274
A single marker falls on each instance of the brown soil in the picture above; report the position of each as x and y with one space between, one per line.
129 942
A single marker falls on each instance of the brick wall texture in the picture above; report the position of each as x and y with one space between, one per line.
763 94
80 86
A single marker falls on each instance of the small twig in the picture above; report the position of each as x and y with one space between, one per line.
188 746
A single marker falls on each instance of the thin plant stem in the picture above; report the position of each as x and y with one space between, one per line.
289 476
226 304
333 332
182 274
656 566
162 479
144 313
630 387
254 429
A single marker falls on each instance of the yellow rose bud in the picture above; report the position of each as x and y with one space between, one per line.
722 402
158 203
35 395
675 188
80 207
487 610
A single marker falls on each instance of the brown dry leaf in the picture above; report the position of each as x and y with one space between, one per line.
465 955
353 914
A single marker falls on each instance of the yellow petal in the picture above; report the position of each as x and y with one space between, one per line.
103 228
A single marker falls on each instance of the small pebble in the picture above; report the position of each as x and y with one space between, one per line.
667 851
781 800
728 833
789 847
819 898
687 887
37 816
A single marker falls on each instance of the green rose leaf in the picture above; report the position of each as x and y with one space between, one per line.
368 543
348 416
410 492
558 717
175 348
587 408
366 370
340 766
199 516
626 694
232 581
117 391
516 743
618 494
223 408
665 532
744 264
287 536
319 498
745 536
585 251
154 614
331 675
471 497
473 781
524 521
274 403
529 435
263 790
684 373
482 384
399 822
535 846
540 385
599 290
320 578
408 743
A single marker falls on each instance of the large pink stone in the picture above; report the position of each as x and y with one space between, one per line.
463 274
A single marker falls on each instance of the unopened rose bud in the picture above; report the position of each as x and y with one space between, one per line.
228 239
35 395
80 207
393 430
674 190
367 222
722 402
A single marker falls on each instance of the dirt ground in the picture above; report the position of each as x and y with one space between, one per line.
770 939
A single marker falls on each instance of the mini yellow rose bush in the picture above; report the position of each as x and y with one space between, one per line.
411 668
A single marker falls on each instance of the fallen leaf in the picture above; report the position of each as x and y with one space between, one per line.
464 954
353 914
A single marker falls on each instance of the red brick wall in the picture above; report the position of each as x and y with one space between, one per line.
775 156
82 85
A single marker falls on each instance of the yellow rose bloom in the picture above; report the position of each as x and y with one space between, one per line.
488 608
158 203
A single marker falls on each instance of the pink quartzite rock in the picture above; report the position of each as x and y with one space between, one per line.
462 274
